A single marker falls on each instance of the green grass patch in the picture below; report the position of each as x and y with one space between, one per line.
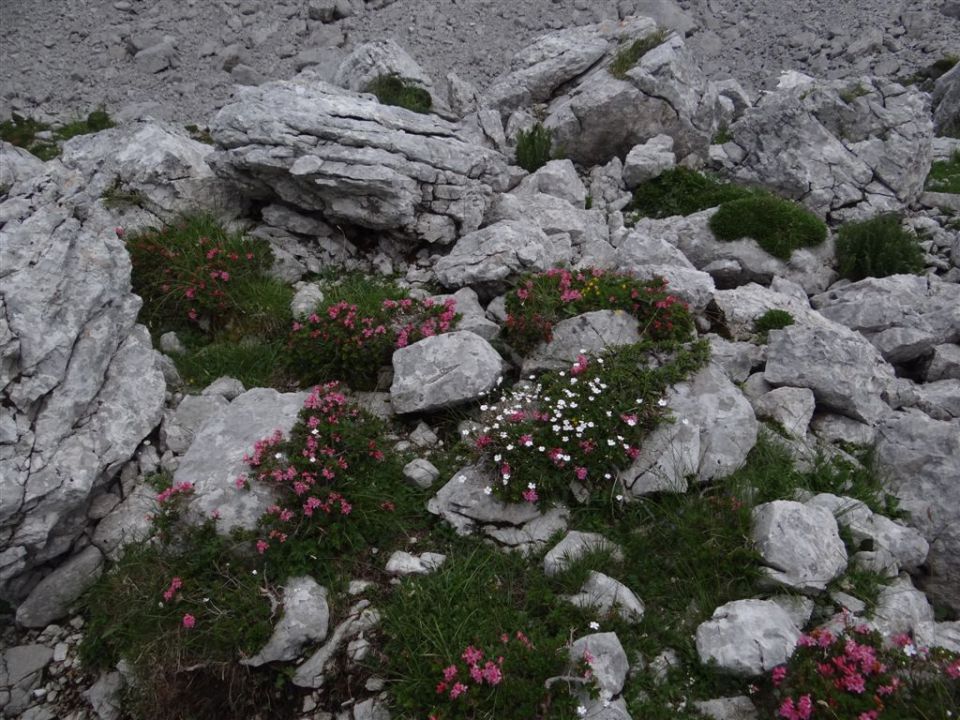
479 595
182 615
771 320
630 55
877 248
401 92
679 191
533 147
357 328
779 226
23 131
944 176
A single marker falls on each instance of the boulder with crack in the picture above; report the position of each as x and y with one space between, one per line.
322 148
904 316
842 148
80 384
747 637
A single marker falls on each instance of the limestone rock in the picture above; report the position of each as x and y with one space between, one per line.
920 459
574 546
844 371
492 254
714 430
799 543
747 637
590 333
52 597
215 458
730 708
648 160
557 178
791 408
944 363
904 316
609 665
403 563
809 144
180 425
306 617
321 148
421 473
443 371
607 595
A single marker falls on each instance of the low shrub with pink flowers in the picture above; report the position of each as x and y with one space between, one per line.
350 337
859 674
541 300
583 424
336 484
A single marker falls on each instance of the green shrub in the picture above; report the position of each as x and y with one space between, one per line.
628 56
95 122
945 175
358 327
679 191
772 320
877 248
22 132
395 90
533 148
779 226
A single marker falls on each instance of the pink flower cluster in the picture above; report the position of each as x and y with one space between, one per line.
306 468
175 585
182 488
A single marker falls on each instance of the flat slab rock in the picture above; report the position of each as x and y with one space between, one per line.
591 333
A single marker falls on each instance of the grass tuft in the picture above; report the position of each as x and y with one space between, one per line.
630 55
23 131
679 191
533 148
945 175
395 90
877 248
779 226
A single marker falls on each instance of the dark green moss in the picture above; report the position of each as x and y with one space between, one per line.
680 191
877 248
778 225
398 91
629 55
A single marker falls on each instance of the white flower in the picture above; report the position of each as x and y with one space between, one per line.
581 711
573 381
464 432
600 360
314 432
278 456
619 498
661 402
484 408
609 413
607 476
562 374
573 405
509 448
531 486
487 490
685 421
610 443
506 476
312 459
541 448
594 625
498 457
461 478
910 650
253 572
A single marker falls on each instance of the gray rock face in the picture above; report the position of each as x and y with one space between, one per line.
127 523
944 363
946 103
904 316
306 617
574 546
421 473
731 708
557 178
592 333
215 459
810 144
714 430
647 161
846 373
80 383
906 544
52 597
664 93
443 371
370 60
920 457
104 696
901 608
792 408
799 543
464 504
492 254
403 563
17 165
743 306
180 425
21 670
359 619
325 149
747 637
166 170
606 595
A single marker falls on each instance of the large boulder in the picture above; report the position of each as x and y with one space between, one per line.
325 149
52 597
920 460
904 316
490 255
747 637
946 103
16 165
714 429
80 380
592 332
846 373
800 544
443 371
215 458
839 144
